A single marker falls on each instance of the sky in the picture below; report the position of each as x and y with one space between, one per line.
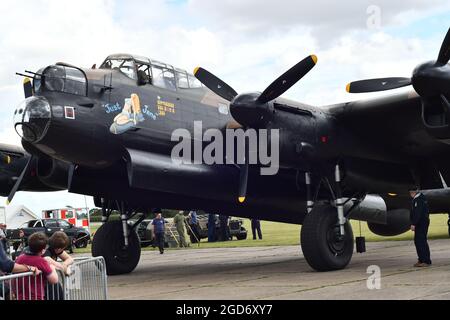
247 43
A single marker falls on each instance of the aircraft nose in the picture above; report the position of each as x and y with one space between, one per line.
32 118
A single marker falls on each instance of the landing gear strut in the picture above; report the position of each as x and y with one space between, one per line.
326 236
117 241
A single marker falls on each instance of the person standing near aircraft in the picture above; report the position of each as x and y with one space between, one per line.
179 222
159 229
420 221
224 235
193 222
256 228
211 227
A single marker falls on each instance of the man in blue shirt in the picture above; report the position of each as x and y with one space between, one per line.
193 223
159 229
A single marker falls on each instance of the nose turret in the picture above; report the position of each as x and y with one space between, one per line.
32 118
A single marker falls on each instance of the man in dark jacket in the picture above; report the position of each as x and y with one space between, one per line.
420 221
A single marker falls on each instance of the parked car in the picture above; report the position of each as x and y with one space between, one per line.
79 237
235 228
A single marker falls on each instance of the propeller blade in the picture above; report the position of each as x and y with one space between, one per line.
5 158
27 88
243 176
374 85
19 181
215 84
444 53
288 79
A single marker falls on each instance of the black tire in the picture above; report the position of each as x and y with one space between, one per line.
82 243
322 249
108 242
242 235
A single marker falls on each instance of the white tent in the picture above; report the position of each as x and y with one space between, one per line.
15 216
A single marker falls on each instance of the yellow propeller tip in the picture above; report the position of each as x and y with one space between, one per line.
26 80
7 202
241 199
196 70
8 159
314 58
348 87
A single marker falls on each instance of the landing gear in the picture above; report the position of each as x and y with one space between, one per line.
323 246
326 236
118 241
108 242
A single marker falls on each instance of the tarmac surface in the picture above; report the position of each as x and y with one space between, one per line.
283 273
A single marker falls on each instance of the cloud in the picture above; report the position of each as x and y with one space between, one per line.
246 43
327 19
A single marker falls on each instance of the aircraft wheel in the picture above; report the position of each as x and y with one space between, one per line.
108 242
323 247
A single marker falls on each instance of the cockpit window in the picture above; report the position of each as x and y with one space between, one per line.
143 74
182 79
126 66
163 77
63 79
193 82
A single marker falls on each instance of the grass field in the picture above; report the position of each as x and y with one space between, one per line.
281 234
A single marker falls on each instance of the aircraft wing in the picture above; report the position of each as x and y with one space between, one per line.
391 129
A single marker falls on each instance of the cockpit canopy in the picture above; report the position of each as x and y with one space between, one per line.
146 71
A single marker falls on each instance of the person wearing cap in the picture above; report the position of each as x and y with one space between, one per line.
420 221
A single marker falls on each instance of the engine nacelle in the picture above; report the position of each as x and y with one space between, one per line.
53 173
380 219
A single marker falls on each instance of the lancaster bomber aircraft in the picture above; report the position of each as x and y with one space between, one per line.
108 132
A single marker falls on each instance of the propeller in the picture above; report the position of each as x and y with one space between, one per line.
27 87
16 186
5 158
252 109
429 79
243 176
444 53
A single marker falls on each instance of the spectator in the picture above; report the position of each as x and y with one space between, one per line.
179 221
211 228
159 229
27 288
19 246
193 223
8 266
3 240
256 228
224 233
57 243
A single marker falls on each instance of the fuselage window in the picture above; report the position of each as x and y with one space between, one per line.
182 80
163 77
193 82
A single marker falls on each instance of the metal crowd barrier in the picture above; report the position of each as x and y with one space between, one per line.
87 281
